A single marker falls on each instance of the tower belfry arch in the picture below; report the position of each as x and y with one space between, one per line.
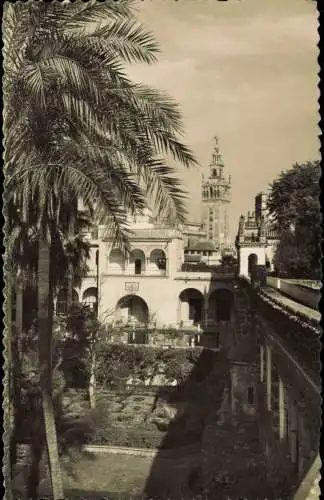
216 198
217 160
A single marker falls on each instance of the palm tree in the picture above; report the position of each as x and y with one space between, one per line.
77 127
69 253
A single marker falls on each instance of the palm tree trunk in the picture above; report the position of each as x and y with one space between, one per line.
45 316
8 400
69 294
92 381
19 309
16 371
70 277
36 449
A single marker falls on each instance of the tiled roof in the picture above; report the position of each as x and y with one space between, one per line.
154 234
160 233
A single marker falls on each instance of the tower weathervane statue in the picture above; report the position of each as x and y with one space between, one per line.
216 198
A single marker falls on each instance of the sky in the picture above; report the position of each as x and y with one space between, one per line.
246 71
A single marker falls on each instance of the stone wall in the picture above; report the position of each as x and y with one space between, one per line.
305 295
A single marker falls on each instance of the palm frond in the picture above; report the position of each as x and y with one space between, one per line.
36 81
165 189
129 40
167 143
80 113
93 11
70 74
15 39
88 185
159 107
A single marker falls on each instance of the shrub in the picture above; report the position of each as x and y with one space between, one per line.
131 437
117 363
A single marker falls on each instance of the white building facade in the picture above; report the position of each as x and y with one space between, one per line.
257 239
150 285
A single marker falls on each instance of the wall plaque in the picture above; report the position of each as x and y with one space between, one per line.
132 286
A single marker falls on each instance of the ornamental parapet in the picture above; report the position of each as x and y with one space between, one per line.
250 244
299 331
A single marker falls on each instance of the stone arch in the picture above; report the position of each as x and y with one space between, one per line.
116 261
190 310
137 261
220 305
158 261
90 298
132 309
61 300
252 261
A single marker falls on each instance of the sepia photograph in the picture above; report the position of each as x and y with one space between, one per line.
162 233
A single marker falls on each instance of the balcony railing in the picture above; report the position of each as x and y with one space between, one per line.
205 268
127 272
151 336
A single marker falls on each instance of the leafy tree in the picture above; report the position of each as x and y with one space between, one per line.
83 330
77 127
295 207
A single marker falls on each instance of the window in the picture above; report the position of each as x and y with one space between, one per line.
250 396
90 301
138 266
161 263
61 303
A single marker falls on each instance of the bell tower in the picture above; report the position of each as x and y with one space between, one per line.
216 198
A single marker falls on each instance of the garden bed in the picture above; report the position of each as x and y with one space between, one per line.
164 419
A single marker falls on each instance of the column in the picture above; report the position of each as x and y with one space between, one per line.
205 317
293 434
242 263
127 266
268 377
261 363
205 311
233 381
55 304
281 409
184 312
